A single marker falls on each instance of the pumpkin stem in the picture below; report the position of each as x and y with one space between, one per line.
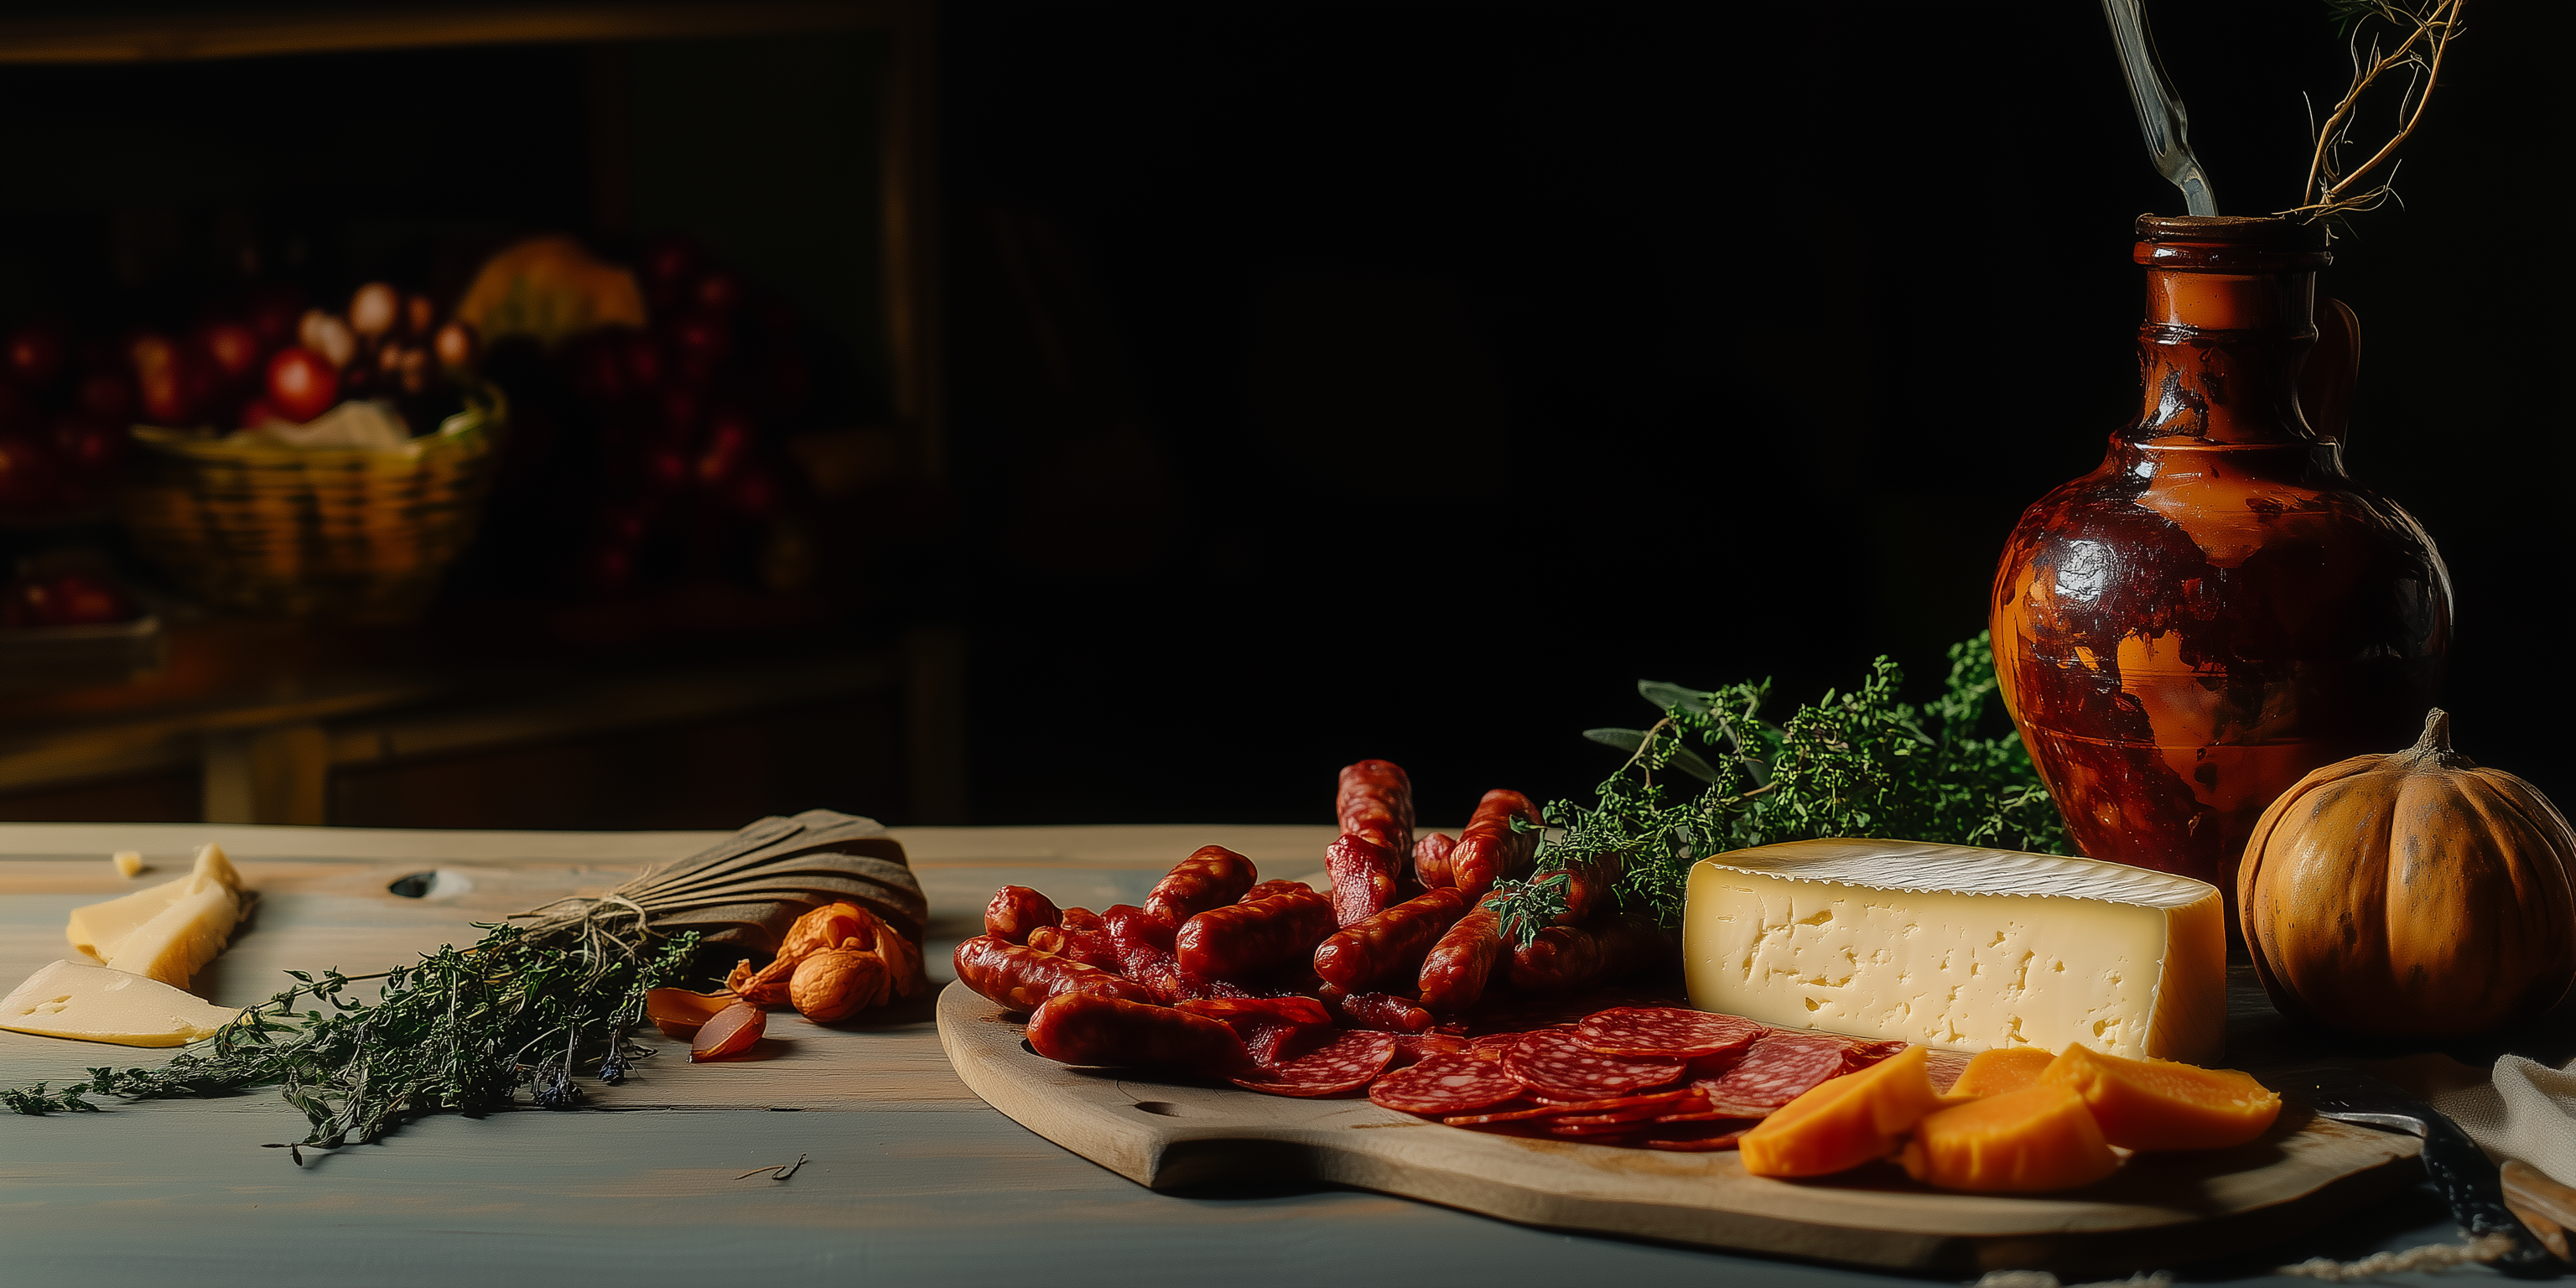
2435 744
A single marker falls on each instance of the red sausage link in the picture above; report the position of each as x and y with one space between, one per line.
1375 799
1212 877
1384 1012
1395 940
1589 888
1363 874
1247 940
1143 943
1017 910
1086 1028
1280 886
1021 978
1081 936
1488 849
1571 957
1431 859
1287 1010
1454 974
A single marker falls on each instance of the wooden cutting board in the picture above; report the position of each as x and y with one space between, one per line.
2158 1211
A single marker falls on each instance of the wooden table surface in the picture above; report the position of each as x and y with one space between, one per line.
910 1178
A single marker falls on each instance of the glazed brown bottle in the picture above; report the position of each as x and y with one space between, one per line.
2218 609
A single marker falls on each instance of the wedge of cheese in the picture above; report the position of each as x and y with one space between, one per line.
96 1004
1959 947
169 930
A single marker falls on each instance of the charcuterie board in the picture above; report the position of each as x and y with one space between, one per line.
2157 1211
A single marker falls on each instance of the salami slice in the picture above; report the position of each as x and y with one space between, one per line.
1413 1048
1592 1129
1445 1084
1558 1111
1865 1054
1665 1032
1277 1042
1491 1046
1551 1063
1780 1068
1694 1144
1945 1067
1347 1063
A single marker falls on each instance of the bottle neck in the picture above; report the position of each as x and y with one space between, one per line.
2219 354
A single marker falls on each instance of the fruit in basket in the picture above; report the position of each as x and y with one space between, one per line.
302 384
2415 895
327 335
234 349
374 310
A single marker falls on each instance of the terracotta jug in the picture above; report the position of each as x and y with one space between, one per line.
2218 608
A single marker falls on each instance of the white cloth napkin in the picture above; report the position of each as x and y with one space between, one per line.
2524 1109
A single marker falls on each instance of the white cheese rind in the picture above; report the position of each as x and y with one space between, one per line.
96 1004
1960 947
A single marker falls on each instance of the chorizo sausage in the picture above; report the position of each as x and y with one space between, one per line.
1561 958
1359 955
1021 978
1210 878
1286 1010
1080 936
1280 886
1253 938
1488 847
1454 973
1363 874
1087 1028
1589 887
1375 799
1017 910
1384 1012
1431 859
1143 943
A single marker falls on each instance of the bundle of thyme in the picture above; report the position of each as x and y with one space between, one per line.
1859 763
460 1031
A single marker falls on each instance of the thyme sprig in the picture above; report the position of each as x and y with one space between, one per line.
461 1031
1857 763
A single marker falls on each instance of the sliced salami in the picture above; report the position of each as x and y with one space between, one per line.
1412 1048
1557 1111
1780 1068
1865 1054
1551 1063
1665 1032
1445 1084
1694 1144
1945 1067
1347 1063
1277 1042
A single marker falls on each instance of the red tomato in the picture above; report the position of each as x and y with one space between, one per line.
302 384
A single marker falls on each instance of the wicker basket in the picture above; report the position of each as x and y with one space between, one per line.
302 532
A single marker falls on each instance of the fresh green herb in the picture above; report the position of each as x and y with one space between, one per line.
460 1031
1860 763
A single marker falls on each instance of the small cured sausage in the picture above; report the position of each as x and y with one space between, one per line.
1290 1010
1247 940
1143 944
1383 1012
1454 973
1375 799
1363 873
1020 978
1080 936
1571 957
1089 1029
1390 942
1279 885
1431 859
1017 910
1489 849
1212 877
1590 886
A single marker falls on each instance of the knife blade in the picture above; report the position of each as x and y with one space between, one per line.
2468 1182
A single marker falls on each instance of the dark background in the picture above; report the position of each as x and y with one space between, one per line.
1361 380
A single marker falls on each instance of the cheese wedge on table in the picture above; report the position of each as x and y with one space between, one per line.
1955 946
96 1004
168 931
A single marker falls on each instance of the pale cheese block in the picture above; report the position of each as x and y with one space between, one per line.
1954 946
170 930
97 930
96 1004
128 863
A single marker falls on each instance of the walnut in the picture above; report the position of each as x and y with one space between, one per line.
822 928
837 983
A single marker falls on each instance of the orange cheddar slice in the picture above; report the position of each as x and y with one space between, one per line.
1995 1072
1845 1122
2017 1142
2161 1105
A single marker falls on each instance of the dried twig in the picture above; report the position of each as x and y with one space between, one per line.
2429 26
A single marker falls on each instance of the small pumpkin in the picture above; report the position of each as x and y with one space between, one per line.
2414 895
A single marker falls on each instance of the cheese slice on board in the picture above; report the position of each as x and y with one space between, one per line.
1954 946
168 931
95 1004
